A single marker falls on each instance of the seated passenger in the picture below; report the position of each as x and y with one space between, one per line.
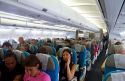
26 48
119 48
11 69
21 42
33 67
67 68
33 46
6 46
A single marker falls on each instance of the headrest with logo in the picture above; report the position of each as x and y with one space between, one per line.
46 60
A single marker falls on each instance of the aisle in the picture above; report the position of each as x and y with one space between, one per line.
95 73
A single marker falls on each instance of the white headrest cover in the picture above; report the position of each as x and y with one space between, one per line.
119 61
120 76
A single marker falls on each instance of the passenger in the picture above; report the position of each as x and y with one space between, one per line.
11 68
21 42
25 47
33 46
67 68
5 47
119 48
33 70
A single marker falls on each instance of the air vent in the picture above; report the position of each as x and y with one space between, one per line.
69 19
14 25
123 23
44 10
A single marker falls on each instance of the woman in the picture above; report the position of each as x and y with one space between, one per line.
33 70
67 68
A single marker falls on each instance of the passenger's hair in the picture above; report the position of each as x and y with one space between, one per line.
119 48
32 61
118 43
43 50
7 44
10 54
69 51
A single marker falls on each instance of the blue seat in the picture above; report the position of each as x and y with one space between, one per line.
49 65
114 62
33 49
53 51
82 64
117 75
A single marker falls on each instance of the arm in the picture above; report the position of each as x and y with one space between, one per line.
70 73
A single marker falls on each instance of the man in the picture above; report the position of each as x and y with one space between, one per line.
21 42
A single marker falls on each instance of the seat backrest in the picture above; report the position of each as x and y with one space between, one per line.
48 49
78 47
49 65
82 57
19 56
33 49
115 76
114 62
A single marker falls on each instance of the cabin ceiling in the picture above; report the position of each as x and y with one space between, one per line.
90 10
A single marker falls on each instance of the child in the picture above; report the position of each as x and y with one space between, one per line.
33 70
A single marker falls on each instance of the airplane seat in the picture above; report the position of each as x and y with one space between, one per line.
82 64
53 51
49 65
114 62
88 60
19 56
40 43
115 76
78 48
33 49
50 50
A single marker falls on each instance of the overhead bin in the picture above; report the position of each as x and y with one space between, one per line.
35 9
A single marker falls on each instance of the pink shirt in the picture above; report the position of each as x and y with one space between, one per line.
41 77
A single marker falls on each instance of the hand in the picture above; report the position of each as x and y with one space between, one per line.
68 61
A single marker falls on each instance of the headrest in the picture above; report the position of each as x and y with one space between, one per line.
118 76
78 47
48 49
46 60
119 61
33 48
116 60
110 62
18 55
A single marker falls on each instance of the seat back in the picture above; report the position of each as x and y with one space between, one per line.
19 56
115 76
114 62
49 65
33 49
